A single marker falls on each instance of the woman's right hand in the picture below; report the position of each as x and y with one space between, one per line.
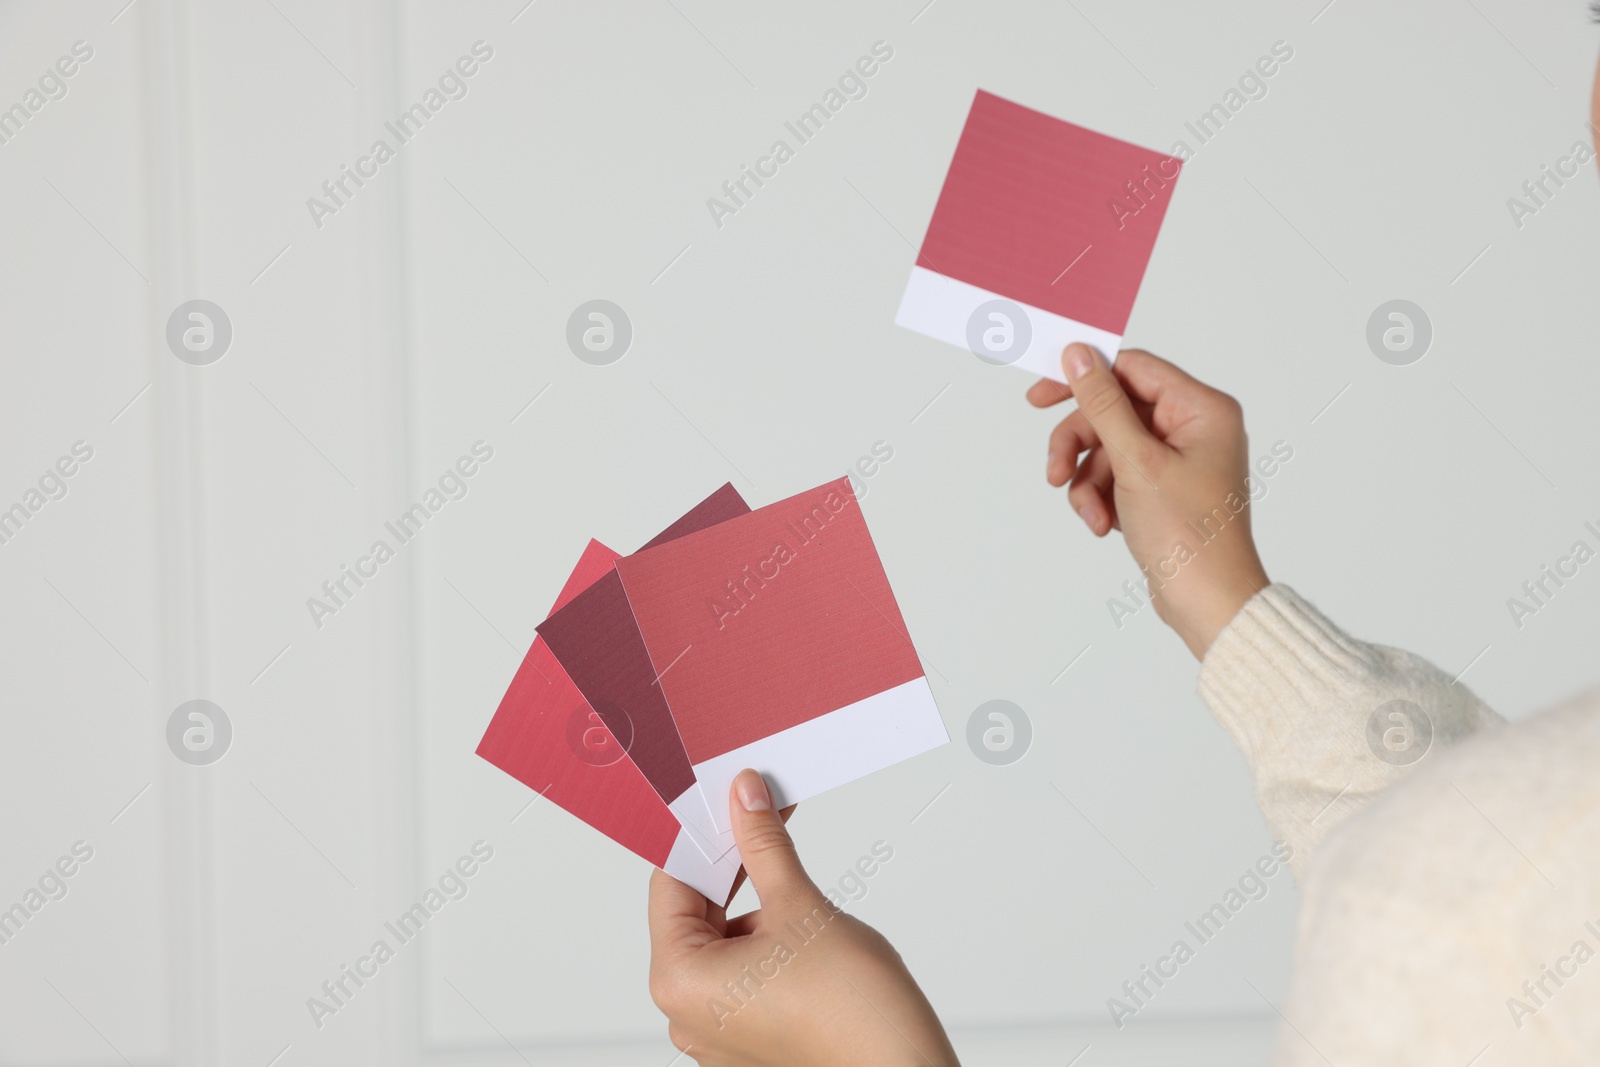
1162 457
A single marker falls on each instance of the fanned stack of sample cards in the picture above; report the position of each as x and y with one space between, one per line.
736 638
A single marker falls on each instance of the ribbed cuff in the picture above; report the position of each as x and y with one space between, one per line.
1278 654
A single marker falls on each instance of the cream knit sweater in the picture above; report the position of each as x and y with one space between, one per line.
1451 885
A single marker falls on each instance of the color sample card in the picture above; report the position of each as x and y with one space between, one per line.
1040 238
595 638
778 645
545 735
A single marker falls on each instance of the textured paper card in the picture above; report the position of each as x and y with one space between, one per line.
778 645
1040 238
545 735
598 644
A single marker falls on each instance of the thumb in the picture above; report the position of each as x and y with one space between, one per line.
764 843
1105 404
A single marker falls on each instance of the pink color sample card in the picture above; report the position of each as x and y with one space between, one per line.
545 735
595 638
1040 238
778 645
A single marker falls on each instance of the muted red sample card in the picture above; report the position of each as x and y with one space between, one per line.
1040 237
545 735
777 643
595 638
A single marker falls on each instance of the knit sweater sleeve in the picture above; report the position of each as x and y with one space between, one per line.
1326 722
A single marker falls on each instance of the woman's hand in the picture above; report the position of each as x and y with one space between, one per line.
1163 459
796 982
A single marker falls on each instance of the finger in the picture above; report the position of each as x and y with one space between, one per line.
717 918
739 879
1148 377
764 843
679 917
1151 378
1167 398
1091 493
1144 375
745 924
1105 404
1072 437
1047 391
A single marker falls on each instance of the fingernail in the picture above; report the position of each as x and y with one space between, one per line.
753 793
1080 360
1087 514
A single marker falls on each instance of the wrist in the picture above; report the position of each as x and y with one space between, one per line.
1202 612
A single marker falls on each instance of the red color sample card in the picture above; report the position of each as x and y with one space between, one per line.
778 645
545 735
598 644
1040 238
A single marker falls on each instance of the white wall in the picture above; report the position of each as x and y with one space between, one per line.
371 351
